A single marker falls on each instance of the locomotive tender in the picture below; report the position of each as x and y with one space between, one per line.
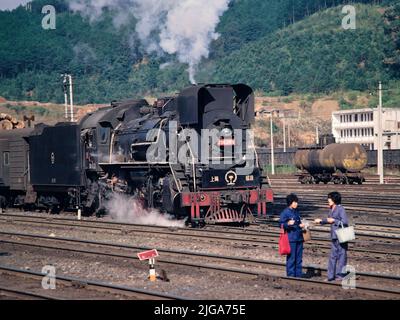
190 155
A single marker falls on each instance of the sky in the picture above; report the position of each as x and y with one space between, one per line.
11 4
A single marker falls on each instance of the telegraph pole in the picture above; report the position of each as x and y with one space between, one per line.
380 140
284 135
272 147
65 86
71 98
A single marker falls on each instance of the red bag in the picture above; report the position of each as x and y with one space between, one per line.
284 244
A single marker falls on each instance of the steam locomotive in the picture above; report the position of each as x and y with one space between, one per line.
190 155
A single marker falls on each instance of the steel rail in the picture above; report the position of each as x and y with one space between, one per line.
95 284
314 268
266 234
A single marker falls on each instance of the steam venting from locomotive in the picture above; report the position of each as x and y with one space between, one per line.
183 28
124 209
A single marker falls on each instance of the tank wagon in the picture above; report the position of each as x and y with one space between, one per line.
337 163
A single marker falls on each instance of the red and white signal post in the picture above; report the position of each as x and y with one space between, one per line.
150 255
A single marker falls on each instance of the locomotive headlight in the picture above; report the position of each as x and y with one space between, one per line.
226 132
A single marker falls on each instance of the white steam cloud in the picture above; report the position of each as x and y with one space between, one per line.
125 209
184 28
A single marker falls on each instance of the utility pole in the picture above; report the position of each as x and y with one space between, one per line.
284 134
71 98
380 140
272 146
317 134
65 86
67 82
289 143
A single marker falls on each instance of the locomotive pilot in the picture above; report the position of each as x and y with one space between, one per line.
291 222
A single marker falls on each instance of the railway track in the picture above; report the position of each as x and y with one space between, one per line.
376 285
19 294
317 205
371 180
250 237
386 231
72 222
381 202
87 288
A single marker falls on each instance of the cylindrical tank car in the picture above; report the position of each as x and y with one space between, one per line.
337 163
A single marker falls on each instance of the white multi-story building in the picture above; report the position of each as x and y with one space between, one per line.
361 126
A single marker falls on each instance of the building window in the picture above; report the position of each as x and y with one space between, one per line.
356 117
398 125
372 117
6 159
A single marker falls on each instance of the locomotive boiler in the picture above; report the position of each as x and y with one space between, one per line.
337 163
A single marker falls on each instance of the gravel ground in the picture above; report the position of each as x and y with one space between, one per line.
312 255
193 284
188 282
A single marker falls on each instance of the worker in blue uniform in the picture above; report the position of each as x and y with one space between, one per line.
291 222
338 256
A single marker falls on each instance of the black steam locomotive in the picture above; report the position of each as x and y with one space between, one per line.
155 153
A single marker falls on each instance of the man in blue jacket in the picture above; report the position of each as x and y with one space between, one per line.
291 222
337 216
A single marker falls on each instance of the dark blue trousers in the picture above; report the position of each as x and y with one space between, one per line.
294 261
337 259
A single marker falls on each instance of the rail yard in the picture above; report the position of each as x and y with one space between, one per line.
99 216
96 257
192 159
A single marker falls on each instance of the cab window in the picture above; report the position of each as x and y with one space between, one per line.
6 159
104 135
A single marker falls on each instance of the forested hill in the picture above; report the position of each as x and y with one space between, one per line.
279 46
318 55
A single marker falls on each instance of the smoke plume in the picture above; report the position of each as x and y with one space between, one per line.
125 209
183 28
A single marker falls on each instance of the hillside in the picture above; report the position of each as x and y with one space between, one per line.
278 47
316 55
